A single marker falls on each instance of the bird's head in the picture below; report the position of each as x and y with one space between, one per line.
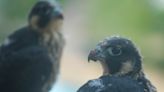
46 14
117 55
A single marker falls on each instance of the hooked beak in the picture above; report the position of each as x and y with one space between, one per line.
58 13
96 55
92 55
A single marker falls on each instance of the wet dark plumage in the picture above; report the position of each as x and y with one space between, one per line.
30 57
112 84
120 57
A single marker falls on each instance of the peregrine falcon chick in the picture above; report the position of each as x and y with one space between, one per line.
30 57
119 57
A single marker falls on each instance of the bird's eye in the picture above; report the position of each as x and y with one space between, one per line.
114 51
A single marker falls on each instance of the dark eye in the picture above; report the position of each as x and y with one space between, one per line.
114 51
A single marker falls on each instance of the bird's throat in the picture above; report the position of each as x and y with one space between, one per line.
106 70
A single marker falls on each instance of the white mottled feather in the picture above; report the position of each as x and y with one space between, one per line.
7 42
98 84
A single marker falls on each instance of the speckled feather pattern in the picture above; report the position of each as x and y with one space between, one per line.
127 63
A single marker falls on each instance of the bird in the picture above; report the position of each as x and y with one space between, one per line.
120 57
112 84
30 56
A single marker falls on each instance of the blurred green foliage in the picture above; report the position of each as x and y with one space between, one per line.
18 8
160 65
135 19
13 13
121 16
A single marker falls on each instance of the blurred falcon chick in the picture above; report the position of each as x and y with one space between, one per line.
30 57
120 57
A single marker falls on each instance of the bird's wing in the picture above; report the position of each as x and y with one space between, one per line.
112 84
92 86
26 70
147 84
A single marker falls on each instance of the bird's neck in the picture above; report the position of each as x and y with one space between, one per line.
53 40
48 36
132 74
137 75
105 68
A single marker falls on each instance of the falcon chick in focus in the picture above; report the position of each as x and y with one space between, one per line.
120 59
30 57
